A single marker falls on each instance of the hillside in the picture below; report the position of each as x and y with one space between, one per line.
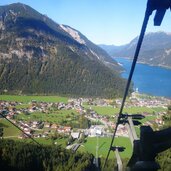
38 55
21 156
156 49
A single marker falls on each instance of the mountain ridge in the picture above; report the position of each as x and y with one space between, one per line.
38 55
155 50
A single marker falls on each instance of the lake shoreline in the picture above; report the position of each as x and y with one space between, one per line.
141 62
152 80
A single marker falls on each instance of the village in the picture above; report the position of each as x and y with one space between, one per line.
102 125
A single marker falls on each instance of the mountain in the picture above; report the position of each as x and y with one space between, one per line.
38 55
111 49
155 50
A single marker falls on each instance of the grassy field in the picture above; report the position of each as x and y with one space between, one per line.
54 117
61 141
104 144
132 110
44 141
148 118
23 106
9 129
27 98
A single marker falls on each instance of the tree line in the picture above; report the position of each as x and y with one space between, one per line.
164 158
21 156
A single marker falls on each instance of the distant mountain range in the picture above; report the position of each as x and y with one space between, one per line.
155 50
38 55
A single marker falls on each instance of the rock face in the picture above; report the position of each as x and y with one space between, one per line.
38 55
156 49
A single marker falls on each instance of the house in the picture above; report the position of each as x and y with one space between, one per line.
47 125
96 130
67 128
75 135
159 121
26 129
54 126
61 130
34 124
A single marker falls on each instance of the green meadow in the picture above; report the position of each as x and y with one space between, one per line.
61 141
44 141
132 110
104 144
27 98
53 117
9 129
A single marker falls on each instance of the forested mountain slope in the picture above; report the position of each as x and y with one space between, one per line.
38 55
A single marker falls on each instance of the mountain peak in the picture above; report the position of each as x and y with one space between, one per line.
16 10
37 55
16 7
155 50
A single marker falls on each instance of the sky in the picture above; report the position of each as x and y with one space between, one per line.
111 22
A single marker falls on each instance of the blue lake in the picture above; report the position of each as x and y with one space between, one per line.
148 79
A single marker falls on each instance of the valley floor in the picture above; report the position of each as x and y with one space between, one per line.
87 122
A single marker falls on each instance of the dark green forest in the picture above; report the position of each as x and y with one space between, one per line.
164 158
20 156
60 75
